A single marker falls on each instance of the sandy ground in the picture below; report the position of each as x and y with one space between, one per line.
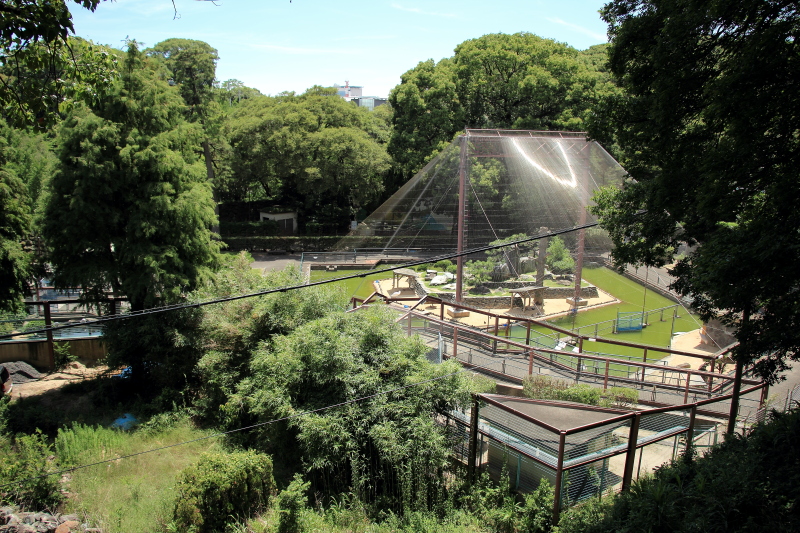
74 372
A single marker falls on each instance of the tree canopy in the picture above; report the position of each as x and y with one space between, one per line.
129 208
40 65
15 220
708 126
314 153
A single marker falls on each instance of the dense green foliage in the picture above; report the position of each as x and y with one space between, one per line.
559 260
42 68
129 209
220 488
314 154
387 449
15 220
25 458
707 125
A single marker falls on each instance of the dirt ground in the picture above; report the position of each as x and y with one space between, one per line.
73 372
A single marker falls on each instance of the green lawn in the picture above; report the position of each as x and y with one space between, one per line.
358 287
595 322
633 297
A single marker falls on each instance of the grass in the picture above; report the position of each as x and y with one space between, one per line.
358 287
132 494
632 296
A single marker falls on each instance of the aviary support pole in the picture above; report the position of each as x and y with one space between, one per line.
462 206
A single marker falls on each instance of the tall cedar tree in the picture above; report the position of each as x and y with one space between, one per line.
129 209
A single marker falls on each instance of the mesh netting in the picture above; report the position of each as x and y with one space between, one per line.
518 182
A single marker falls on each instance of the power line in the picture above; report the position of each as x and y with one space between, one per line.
176 307
245 428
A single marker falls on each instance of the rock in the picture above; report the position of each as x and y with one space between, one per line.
68 526
69 517
92 530
480 289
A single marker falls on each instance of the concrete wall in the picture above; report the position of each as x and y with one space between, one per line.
34 352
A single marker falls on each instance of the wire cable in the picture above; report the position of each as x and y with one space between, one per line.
175 307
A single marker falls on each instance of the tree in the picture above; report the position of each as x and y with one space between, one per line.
559 260
40 66
708 125
385 451
15 222
129 208
314 153
193 65
426 115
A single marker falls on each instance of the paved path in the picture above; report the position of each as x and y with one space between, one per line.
268 262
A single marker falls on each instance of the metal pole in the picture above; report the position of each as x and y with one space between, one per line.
737 379
630 456
455 343
462 206
472 460
51 353
690 429
559 475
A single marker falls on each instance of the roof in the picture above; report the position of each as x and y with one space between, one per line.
558 414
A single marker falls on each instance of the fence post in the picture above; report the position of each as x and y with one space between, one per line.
690 429
559 475
48 322
528 334
644 359
455 343
530 362
630 456
737 387
686 391
605 381
472 460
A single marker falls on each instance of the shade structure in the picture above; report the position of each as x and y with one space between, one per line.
516 182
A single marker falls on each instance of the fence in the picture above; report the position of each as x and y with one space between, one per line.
582 451
512 361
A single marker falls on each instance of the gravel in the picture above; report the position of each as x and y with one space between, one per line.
21 372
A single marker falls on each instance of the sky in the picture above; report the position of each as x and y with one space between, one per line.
278 45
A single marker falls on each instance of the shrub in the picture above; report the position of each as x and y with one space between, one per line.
547 388
63 355
443 265
291 502
621 397
221 488
25 461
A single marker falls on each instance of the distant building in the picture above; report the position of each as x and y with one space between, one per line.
370 102
354 93
348 91
286 220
